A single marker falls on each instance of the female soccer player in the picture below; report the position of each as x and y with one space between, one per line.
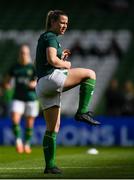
55 76
24 98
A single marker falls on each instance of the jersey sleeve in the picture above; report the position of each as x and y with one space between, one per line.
51 42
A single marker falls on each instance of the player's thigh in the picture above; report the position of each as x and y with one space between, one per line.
17 106
76 76
17 110
51 84
49 89
50 101
32 108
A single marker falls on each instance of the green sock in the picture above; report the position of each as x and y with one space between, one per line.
49 148
86 92
16 130
28 135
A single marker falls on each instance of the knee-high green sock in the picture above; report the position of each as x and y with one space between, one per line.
86 92
49 148
28 135
16 130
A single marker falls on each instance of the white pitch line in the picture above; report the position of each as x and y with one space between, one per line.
75 167
20 168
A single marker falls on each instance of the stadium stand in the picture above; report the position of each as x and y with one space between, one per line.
22 21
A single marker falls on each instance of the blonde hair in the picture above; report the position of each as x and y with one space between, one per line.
24 49
53 15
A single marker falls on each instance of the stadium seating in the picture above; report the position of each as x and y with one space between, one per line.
8 52
30 15
23 21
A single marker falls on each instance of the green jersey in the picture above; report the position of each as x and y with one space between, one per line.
23 74
47 39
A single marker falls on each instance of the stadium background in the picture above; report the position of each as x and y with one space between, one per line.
95 24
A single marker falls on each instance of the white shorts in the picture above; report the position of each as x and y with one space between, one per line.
30 108
49 88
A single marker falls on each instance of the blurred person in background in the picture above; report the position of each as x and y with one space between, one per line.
56 76
114 98
6 94
22 77
128 95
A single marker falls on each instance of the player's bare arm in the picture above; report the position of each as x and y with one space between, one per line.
55 61
32 84
7 82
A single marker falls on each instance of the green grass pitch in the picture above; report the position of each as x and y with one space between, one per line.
110 163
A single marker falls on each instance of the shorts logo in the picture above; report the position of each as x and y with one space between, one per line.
92 92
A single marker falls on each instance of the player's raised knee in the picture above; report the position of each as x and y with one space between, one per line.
92 74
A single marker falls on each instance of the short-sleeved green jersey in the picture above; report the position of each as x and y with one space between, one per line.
23 74
47 39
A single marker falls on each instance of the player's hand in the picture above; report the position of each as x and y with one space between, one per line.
32 84
65 54
67 64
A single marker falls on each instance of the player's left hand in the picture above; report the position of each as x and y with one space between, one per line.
65 54
32 84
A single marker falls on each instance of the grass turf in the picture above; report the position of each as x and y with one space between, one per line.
110 163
